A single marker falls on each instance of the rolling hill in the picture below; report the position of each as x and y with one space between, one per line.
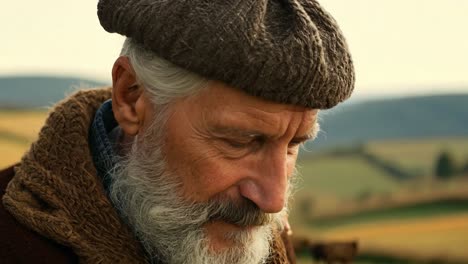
399 118
38 91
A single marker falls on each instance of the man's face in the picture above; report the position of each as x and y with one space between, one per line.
228 145
206 181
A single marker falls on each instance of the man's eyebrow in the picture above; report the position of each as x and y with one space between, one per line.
302 138
234 131
239 132
310 136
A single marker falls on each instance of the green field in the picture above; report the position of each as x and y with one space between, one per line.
412 211
419 155
419 232
343 177
416 230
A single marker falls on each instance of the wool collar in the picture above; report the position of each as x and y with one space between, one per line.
56 191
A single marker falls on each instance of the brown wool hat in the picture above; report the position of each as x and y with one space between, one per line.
288 51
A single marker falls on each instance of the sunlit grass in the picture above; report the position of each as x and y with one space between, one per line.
24 124
17 130
10 152
436 236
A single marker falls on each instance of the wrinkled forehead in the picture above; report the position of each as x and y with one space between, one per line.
225 107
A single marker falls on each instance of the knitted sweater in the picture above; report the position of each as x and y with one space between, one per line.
56 192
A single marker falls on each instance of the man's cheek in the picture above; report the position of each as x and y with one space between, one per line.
205 175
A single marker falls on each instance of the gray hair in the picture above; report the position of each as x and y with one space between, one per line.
163 80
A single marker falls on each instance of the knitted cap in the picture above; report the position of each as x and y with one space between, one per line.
288 51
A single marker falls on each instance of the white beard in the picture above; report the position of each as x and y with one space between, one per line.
169 228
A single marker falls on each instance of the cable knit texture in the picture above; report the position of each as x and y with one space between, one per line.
56 191
288 51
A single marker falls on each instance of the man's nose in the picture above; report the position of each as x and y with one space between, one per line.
268 185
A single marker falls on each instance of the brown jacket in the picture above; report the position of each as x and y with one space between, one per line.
55 209
21 245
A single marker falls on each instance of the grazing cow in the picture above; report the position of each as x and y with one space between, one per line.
334 252
329 252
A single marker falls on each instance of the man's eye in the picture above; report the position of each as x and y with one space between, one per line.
293 144
244 143
237 144
293 147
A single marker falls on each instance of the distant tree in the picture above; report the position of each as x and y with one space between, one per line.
306 205
464 169
445 166
363 195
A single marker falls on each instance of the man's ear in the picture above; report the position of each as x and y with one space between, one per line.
128 103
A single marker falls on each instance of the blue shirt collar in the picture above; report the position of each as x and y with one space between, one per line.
101 144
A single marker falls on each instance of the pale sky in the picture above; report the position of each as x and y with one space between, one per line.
399 46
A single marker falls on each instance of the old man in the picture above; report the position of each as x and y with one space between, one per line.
190 156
